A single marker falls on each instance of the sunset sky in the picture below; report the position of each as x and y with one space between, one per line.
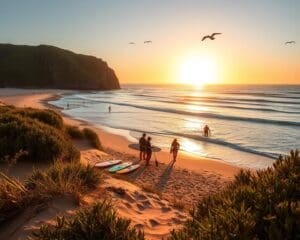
251 49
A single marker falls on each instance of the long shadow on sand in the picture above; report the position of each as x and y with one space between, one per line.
133 176
163 179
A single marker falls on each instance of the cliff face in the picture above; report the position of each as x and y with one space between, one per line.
51 67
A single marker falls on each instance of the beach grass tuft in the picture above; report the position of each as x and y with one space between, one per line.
97 222
261 205
61 178
64 178
93 138
74 132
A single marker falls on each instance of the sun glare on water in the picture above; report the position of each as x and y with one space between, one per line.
198 71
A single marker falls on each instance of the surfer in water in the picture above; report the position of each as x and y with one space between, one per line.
143 146
206 131
148 151
174 149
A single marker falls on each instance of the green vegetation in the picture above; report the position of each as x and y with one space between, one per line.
262 205
97 222
37 132
61 178
64 178
74 132
14 197
48 116
92 137
51 67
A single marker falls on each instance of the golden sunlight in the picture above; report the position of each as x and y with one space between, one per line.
198 71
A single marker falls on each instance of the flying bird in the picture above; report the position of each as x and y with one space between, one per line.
290 42
131 43
211 37
149 41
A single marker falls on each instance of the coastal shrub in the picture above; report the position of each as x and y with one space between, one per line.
64 178
98 222
41 141
47 116
60 178
92 137
261 205
74 132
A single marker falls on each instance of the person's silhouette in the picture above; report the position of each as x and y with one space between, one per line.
143 146
174 149
206 131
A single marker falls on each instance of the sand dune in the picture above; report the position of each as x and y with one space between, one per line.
147 211
33 218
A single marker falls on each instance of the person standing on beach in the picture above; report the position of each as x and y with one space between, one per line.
206 131
148 151
174 149
109 109
143 146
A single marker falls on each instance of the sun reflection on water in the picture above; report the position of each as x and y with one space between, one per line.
192 147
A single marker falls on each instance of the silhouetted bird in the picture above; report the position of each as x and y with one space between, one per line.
131 43
148 41
290 42
211 37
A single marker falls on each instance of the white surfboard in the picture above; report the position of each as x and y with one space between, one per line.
107 163
120 167
129 169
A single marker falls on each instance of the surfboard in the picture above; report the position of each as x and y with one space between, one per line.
120 167
129 169
107 163
136 146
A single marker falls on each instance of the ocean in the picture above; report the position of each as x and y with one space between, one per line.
250 125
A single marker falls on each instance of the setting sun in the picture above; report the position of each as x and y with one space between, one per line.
198 71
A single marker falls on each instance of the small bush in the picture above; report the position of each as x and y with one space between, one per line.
93 138
64 178
97 222
265 205
41 141
74 132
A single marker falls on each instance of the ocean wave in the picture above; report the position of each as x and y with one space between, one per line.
270 95
209 115
227 106
240 100
224 143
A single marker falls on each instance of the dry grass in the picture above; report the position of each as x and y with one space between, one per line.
61 178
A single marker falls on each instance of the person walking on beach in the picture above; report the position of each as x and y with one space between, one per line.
174 149
206 131
148 151
109 109
143 146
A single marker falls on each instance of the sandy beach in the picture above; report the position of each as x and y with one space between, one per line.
157 198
